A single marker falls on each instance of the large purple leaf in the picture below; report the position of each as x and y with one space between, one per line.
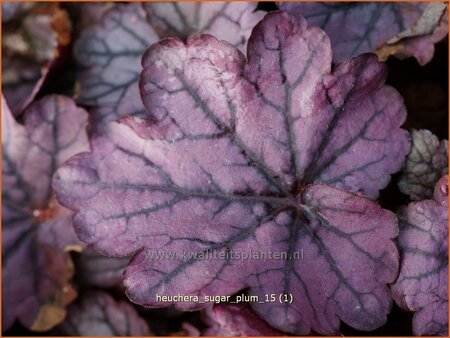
234 165
422 284
36 231
111 51
316 132
230 21
359 27
425 165
98 314
235 320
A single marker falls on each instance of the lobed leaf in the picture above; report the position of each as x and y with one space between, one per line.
247 157
36 272
98 314
425 164
111 51
36 231
422 285
53 131
419 39
317 132
356 28
32 44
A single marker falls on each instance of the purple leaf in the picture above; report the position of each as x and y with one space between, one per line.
356 28
422 285
21 81
88 14
111 52
419 39
11 10
422 47
234 165
54 130
230 21
36 272
30 48
235 320
58 231
37 231
425 164
98 314
317 131
100 270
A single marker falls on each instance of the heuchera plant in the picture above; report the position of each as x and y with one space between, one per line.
422 284
37 231
425 164
34 40
98 314
111 51
279 152
251 162
399 28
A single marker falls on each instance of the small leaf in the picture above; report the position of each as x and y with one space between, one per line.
422 47
31 45
98 314
36 231
419 39
356 28
251 156
425 25
422 285
424 165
